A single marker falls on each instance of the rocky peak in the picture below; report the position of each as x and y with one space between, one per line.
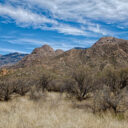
105 40
39 56
110 46
110 40
45 49
59 51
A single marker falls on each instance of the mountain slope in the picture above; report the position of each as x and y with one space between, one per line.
10 59
106 51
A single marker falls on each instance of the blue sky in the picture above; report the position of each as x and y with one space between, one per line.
63 24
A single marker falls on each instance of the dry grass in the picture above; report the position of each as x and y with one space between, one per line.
53 112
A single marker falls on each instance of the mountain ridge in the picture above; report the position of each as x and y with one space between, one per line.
106 51
11 59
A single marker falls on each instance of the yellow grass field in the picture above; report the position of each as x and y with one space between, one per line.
52 112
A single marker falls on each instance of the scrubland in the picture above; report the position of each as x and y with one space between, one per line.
53 110
81 98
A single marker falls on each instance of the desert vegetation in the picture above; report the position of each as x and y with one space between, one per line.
96 95
82 83
53 110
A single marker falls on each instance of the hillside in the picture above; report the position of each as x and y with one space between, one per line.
10 59
106 51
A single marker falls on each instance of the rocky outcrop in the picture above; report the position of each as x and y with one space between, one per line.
39 56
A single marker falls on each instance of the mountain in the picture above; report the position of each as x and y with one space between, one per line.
59 51
39 56
10 59
106 51
79 48
45 50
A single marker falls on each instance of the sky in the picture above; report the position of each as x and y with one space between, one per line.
62 24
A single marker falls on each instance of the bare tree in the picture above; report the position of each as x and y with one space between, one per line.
45 80
5 90
83 79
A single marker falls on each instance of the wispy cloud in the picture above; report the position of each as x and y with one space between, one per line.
100 30
78 11
26 41
61 44
11 50
25 16
67 29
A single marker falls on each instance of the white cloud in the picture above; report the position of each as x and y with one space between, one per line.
24 16
67 29
97 29
85 12
62 44
113 10
26 41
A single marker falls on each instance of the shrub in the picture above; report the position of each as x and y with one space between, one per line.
104 100
83 82
36 94
6 89
116 80
112 85
45 80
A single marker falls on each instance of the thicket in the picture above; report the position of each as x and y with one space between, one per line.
108 89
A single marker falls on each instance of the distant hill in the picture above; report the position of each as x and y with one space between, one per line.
79 48
10 59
